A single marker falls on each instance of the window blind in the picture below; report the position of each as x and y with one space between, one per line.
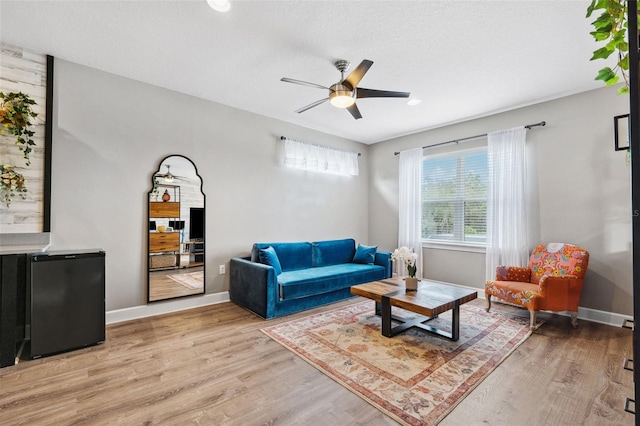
454 196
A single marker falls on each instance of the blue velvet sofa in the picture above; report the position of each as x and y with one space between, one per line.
281 278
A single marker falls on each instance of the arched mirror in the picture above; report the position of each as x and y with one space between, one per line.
176 243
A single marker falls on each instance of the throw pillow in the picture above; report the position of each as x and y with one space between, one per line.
269 257
365 254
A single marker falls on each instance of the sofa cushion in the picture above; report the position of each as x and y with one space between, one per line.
524 294
269 257
365 254
333 252
325 279
292 256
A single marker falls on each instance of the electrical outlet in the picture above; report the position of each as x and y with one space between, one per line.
223 269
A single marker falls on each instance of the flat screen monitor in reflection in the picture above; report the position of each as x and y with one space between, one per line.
177 225
196 224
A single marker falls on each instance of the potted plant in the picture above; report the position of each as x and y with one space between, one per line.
16 113
11 184
404 254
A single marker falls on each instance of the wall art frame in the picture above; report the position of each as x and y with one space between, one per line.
31 73
621 132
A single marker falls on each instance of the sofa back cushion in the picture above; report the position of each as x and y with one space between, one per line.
292 256
333 252
558 259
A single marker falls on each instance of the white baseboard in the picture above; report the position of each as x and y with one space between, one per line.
159 308
587 314
603 317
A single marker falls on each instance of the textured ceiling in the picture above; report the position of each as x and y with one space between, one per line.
463 59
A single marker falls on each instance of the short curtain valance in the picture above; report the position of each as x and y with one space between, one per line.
317 158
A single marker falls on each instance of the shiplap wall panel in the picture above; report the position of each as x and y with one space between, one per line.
24 71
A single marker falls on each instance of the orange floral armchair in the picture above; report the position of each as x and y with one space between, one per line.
552 282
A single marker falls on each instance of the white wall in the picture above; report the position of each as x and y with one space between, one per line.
110 134
580 192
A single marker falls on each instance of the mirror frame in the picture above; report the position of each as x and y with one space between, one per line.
204 230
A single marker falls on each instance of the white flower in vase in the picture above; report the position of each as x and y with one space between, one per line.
409 258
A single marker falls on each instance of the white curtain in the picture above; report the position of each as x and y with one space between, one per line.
507 229
410 206
306 156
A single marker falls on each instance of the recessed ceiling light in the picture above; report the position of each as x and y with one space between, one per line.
219 5
413 101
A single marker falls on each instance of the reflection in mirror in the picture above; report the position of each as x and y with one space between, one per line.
176 231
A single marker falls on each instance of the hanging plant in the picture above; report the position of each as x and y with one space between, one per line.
155 192
15 115
11 184
611 27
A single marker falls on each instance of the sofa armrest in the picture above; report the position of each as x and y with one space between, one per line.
513 273
383 258
560 293
253 285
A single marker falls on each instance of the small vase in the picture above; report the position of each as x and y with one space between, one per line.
166 197
411 283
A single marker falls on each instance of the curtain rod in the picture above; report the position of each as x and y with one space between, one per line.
284 137
528 126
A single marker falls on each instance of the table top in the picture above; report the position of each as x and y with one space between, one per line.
431 298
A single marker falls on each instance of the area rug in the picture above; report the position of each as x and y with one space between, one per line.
192 280
415 377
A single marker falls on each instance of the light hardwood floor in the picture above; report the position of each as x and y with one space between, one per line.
162 287
213 366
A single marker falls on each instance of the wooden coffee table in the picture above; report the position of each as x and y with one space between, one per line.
431 299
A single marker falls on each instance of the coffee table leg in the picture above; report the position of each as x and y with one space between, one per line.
378 309
386 316
455 322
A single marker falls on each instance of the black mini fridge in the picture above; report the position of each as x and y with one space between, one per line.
65 302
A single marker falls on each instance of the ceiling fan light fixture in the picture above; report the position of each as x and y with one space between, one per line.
168 177
341 96
219 5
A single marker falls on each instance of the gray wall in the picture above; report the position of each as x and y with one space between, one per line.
110 134
580 192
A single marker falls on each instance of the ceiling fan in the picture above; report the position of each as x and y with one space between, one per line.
344 93
169 177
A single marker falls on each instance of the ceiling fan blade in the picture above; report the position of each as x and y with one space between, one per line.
315 104
356 75
371 93
303 83
353 109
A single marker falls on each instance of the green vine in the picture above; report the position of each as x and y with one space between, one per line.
11 184
15 115
155 192
611 27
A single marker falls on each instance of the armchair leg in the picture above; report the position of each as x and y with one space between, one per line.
532 322
488 302
574 319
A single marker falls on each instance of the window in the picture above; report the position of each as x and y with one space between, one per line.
454 197
317 158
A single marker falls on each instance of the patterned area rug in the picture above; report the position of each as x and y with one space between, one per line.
415 378
191 280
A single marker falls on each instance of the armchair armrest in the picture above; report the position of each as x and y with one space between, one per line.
560 293
513 273
253 285
383 258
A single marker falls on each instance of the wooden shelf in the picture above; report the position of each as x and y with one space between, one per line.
164 210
